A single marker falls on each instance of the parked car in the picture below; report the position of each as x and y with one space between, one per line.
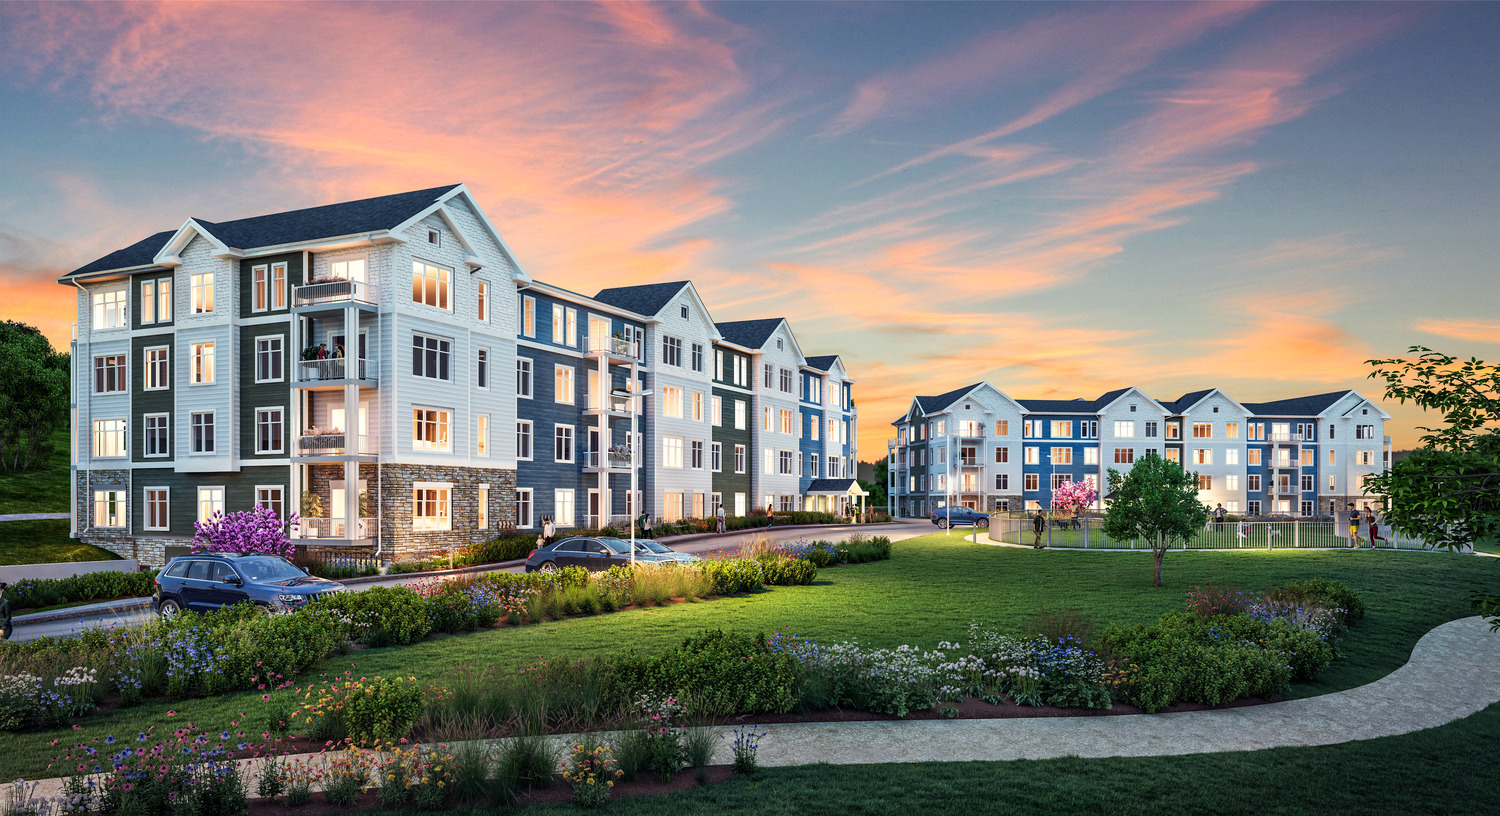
207 581
960 517
593 554
660 553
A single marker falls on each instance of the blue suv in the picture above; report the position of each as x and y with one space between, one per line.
208 581
960 517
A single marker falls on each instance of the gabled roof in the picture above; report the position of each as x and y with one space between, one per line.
1186 401
1296 406
931 405
828 487
1072 406
309 224
822 362
749 333
646 299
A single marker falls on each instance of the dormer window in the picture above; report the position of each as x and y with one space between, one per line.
434 237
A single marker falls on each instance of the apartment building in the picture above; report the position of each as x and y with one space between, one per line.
387 369
1300 456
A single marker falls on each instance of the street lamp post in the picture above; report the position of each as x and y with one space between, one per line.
635 412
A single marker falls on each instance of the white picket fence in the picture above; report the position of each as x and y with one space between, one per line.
1304 534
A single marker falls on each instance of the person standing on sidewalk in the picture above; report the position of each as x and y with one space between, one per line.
1037 523
5 627
720 514
549 529
1218 514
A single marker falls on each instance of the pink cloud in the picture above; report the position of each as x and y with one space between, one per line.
1475 331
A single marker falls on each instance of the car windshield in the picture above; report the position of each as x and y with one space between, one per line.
268 568
615 545
647 545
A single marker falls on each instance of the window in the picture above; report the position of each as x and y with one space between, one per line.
482 440
942 427
784 460
1203 456
1332 483
1252 482
717 406
786 381
109 437
483 303
523 507
570 316
1174 430
671 401
109 374
814 390
432 506
1062 429
523 439
813 427
148 302
429 285
671 452
1002 455
1366 457
482 368
1231 430
202 424
201 288
739 458
430 357
739 414
767 418
716 457
1151 429
697 359
271 497
523 377
1002 427
111 309
484 507
268 430
1307 508
1232 482
203 363
1252 457
562 443
156 509
1031 429
210 503
429 429
1308 458
528 321
562 384
1060 479
698 406
1124 456
1126 429
1062 456
1205 482
109 507
812 466
768 376
671 351
1173 455
696 451
768 460
1002 481
156 434
1089 429
788 421
1091 456
1033 482
741 370
718 364
1364 431
268 358
1307 481
942 454
1203 430
260 288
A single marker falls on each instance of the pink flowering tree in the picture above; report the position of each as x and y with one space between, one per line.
1071 497
258 530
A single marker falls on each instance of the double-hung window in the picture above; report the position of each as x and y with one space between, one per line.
523 439
523 377
202 424
718 411
482 368
430 357
273 498
109 438
429 429
716 456
268 430
739 458
697 358
528 317
111 309
482 440
696 450
109 507
109 373
483 303
156 429
562 443
210 503
268 359
156 508
786 381
562 384
784 460
201 286
430 285
671 401
260 288
671 452
431 507
740 409
671 351
202 363
148 302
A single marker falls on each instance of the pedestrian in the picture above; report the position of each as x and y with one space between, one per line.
5 628
1374 527
1354 527
720 515
549 529
645 525
770 516
1219 513
1037 523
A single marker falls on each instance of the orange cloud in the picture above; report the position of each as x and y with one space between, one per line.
1472 330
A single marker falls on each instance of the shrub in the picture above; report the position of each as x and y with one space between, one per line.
779 570
1321 592
364 711
32 593
381 616
730 577
1211 660
1210 600
718 671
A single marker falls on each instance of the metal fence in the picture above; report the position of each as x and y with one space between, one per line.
1304 534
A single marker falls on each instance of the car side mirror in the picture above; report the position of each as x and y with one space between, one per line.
234 581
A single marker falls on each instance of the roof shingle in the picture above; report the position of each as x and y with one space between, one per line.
749 333
647 299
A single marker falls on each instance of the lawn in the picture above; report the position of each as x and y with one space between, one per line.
1440 770
929 591
44 490
45 542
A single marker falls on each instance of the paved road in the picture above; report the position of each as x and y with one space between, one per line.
32 516
127 613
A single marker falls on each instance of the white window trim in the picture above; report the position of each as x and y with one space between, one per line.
452 280
265 282
482 298
446 522
213 369
198 505
572 436
530 379
256 361
489 364
530 506
146 373
482 506
572 520
572 399
255 499
145 448
192 437
424 446
267 408
531 435
146 508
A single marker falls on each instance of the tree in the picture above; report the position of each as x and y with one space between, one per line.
1157 502
876 489
258 530
33 395
1073 497
1447 493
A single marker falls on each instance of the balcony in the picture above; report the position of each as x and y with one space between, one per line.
617 349
970 461
333 372
608 405
334 294
1285 437
614 460
969 431
317 442
333 530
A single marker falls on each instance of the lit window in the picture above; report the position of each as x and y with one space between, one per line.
111 309
671 401
201 285
109 438
148 302
203 362
484 302
429 429
1124 456
1062 429
528 318
429 284
562 508
562 384
1205 482
260 283
431 507
109 508
1231 430
1126 429
1062 456
210 503
482 443
1203 456
1203 430
484 507
671 451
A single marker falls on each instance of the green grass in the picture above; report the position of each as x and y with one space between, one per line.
45 542
1439 770
1309 537
43 490
929 591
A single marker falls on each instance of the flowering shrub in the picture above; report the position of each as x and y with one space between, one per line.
592 773
1219 600
363 711
746 743
258 530
192 771
1072 497
381 616
664 730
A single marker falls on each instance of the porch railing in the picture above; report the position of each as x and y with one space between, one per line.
618 346
334 368
334 444
334 291
311 528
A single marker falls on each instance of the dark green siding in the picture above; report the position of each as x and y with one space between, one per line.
182 509
255 395
727 482
135 299
144 402
293 262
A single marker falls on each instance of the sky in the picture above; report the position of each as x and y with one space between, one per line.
1059 198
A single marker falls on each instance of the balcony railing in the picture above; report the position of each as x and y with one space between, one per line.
616 346
310 528
969 461
333 444
970 432
331 292
616 458
335 368
1286 437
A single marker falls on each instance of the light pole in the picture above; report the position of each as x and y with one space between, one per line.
635 411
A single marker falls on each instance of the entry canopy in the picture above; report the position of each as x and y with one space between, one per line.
835 487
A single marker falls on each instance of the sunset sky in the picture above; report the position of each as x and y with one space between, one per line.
1059 198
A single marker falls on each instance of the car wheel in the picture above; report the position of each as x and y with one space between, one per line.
942 524
982 523
169 609
548 566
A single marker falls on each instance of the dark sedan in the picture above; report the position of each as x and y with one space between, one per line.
960 517
593 554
